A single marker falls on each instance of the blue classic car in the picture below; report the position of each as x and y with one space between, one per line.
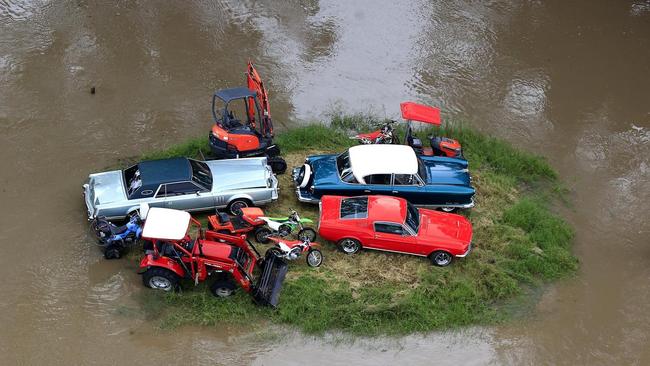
394 170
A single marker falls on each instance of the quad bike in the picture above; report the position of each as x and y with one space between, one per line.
249 219
251 133
284 226
225 260
440 146
116 240
384 135
292 249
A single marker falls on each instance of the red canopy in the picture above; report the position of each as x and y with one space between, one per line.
412 111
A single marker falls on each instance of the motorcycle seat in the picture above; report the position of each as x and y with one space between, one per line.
116 230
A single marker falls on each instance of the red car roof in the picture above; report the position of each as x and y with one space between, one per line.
386 208
421 113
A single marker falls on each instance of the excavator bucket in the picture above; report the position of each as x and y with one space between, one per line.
269 283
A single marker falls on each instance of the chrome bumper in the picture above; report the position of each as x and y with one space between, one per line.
302 198
469 249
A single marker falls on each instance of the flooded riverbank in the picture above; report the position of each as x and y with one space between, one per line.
568 81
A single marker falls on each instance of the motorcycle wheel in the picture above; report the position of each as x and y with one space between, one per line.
307 233
314 258
284 230
261 235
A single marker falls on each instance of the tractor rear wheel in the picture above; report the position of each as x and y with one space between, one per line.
222 287
261 235
160 279
278 164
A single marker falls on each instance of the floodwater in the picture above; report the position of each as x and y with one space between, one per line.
568 80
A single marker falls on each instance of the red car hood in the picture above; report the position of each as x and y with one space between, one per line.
445 227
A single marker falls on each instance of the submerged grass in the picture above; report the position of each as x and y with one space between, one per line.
519 244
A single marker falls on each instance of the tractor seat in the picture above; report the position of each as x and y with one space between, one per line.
223 217
238 222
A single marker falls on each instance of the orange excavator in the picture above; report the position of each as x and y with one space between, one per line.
242 123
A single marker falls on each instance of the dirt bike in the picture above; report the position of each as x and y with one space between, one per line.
284 226
384 135
292 249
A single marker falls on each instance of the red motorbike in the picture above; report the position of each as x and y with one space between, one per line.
384 135
292 249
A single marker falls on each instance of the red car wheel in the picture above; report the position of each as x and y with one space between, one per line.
349 246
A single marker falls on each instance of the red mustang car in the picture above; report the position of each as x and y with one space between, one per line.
392 224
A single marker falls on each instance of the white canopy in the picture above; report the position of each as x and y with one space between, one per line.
382 159
166 224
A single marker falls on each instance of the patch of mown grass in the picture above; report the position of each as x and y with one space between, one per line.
519 244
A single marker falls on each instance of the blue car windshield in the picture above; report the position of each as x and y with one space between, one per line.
412 218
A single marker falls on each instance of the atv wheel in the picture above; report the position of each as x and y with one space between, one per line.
235 206
160 279
307 233
113 252
261 235
441 258
222 287
349 246
314 258
278 164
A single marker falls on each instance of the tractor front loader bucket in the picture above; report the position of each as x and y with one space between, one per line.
269 283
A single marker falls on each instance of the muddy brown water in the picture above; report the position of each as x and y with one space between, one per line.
568 80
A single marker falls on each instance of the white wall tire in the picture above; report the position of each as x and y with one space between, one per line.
305 176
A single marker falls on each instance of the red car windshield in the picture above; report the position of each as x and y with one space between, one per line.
412 218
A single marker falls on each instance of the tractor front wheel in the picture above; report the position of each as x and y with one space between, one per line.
222 287
160 279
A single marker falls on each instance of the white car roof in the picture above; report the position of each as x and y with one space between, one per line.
382 159
166 224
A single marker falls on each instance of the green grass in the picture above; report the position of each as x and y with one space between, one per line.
519 245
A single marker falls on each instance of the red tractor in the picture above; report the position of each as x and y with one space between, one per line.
440 146
242 123
225 260
249 220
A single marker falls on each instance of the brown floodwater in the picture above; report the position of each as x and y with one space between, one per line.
568 80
